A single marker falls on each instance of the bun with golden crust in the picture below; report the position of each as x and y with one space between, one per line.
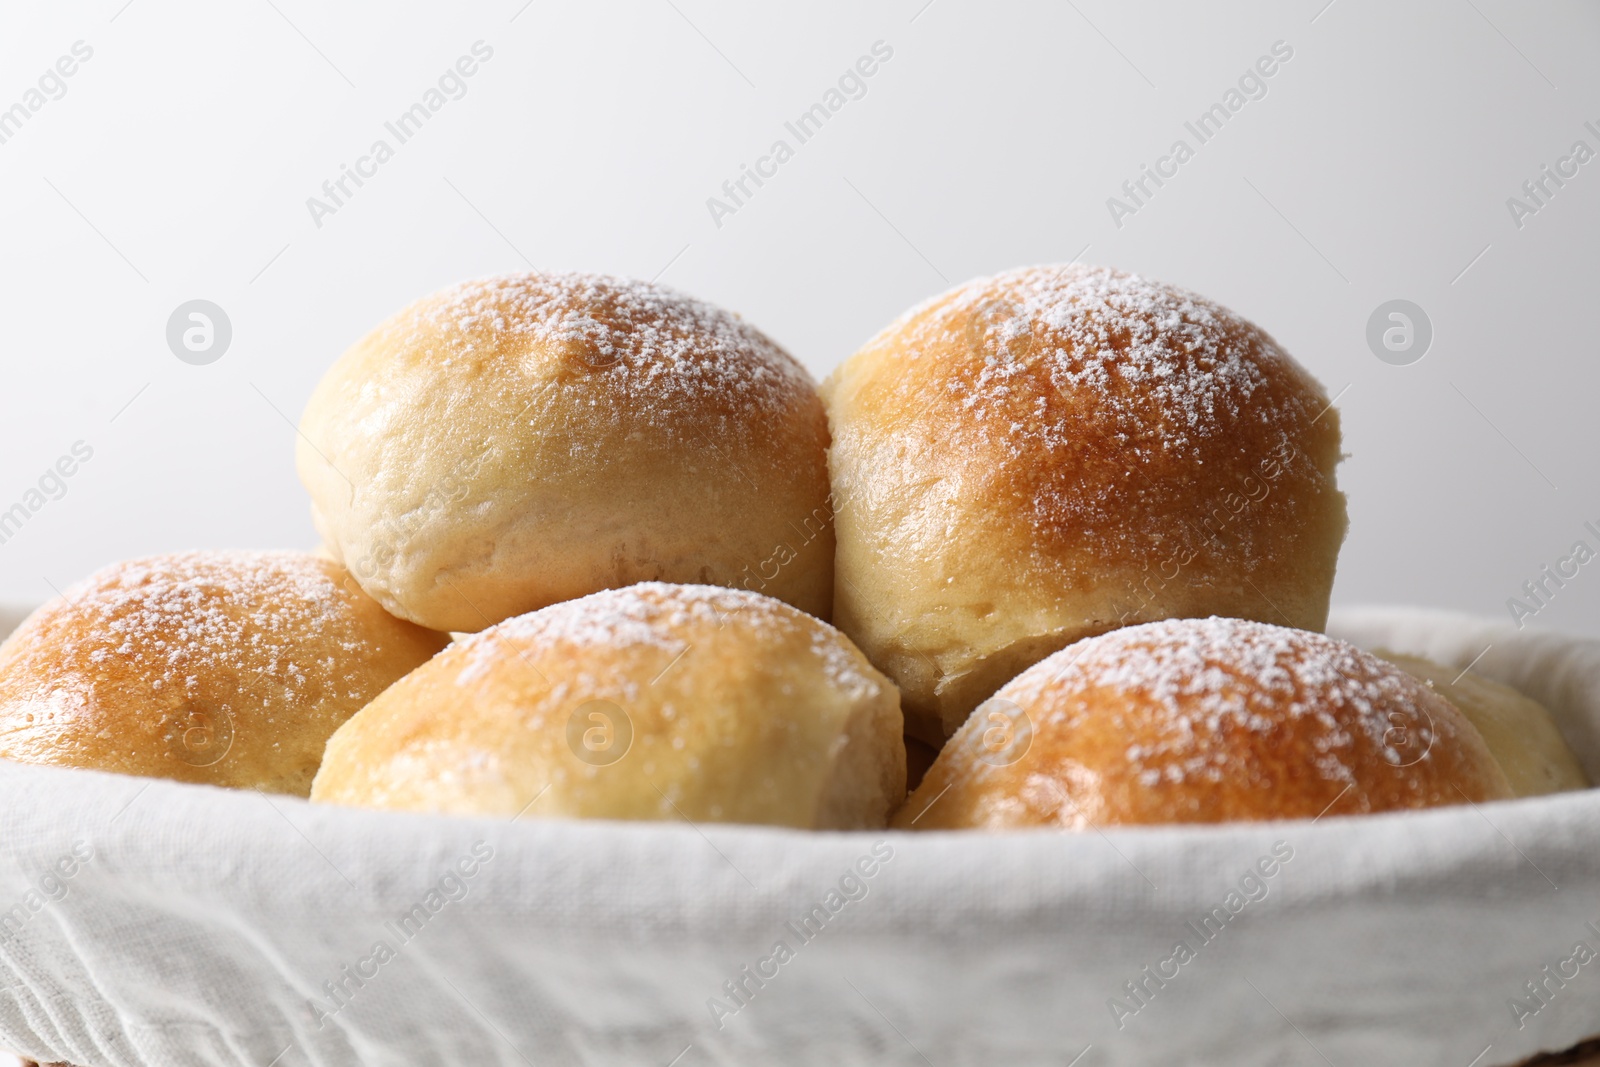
509 443
1203 721
1050 453
225 668
651 702
1518 730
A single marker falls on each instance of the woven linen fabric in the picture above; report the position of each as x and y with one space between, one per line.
152 924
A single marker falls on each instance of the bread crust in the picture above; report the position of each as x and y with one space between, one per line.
651 702
224 668
1051 453
1203 721
1519 731
513 442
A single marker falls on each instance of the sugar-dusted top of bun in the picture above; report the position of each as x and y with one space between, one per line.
231 668
1207 720
666 351
657 615
1040 381
1232 678
652 701
1124 339
197 611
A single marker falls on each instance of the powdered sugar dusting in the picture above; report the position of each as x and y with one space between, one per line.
1211 679
662 350
1126 340
1097 396
201 612
663 616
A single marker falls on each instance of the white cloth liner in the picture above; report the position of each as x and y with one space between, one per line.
206 920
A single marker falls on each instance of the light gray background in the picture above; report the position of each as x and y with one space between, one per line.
178 164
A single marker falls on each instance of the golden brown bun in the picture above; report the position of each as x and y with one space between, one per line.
1519 731
514 442
1050 453
650 702
1200 721
227 668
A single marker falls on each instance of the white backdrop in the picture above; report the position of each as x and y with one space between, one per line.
176 161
